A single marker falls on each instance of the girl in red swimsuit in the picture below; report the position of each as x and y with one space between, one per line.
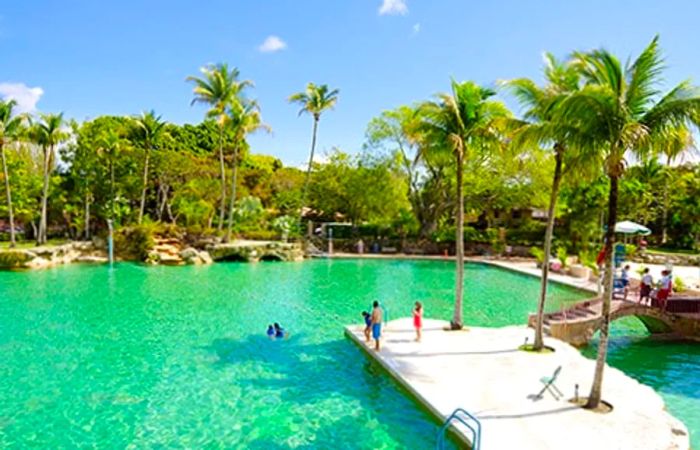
418 320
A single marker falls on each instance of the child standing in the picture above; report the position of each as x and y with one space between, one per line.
418 320
368 324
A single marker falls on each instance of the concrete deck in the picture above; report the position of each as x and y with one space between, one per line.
482 371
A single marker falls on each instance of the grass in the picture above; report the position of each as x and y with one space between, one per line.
28 245
671 251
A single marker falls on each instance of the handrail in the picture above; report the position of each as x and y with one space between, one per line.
476 430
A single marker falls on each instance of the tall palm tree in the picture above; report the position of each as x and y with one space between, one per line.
542 127
219 87
314 100
244 119
109 144
48 133
10 129
466 124
147 129
622 111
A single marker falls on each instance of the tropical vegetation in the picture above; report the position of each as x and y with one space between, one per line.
598 142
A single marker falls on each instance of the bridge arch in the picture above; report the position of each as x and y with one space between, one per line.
274 257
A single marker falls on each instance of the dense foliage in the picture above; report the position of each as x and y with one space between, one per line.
401 184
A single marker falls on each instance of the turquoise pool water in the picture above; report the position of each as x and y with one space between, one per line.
161 357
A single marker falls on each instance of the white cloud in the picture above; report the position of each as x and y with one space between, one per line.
271 44
25 96
393 7
416 28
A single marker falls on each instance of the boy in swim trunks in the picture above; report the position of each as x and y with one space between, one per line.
376 324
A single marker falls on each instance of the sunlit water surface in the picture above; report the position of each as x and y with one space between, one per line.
157 356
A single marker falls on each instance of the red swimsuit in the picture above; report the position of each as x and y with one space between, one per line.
418 318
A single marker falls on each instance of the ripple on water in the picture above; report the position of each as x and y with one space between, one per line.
150 356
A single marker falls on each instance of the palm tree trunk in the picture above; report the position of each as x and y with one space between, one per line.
144 183
233 194
8 194
597 386
457 322
308 169
664 216
111 189
539 341
41 238
222 168
87 213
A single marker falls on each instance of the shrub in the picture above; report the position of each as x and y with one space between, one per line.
587 258
134 243
678 285
260 235
10 259
562 256
538 253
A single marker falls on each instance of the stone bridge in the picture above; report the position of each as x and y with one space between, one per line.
577 324
254 251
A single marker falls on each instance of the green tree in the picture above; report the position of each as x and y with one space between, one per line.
11 127
244 119
672 146
219 87
466 124
621 111
147 130
314 100
48 133
543 127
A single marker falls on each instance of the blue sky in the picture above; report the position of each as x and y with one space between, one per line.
89 58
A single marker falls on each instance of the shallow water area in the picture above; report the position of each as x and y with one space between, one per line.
161 356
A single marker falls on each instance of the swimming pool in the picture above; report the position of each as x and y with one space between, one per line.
162 356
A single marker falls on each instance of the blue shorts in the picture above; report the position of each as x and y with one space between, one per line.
376 330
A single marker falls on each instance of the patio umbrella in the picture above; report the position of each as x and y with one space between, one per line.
628 227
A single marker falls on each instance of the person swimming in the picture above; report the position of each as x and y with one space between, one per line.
279 331
270 331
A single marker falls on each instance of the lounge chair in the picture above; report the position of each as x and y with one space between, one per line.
549 385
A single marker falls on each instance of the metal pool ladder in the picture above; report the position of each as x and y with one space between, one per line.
463 417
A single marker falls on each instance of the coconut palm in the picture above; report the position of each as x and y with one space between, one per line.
110 144
542 127
147 129
10 129
244 119
314 100
622 111
219 87
464 123
48 133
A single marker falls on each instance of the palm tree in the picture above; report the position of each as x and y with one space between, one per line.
621 111
244 119
314 100
147 129
219 88
466 124
542 127
109 144
48 133
10 129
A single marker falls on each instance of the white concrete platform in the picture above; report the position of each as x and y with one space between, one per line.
482 371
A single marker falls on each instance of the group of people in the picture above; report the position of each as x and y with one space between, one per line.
660 293
374 320
275 331
648 289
